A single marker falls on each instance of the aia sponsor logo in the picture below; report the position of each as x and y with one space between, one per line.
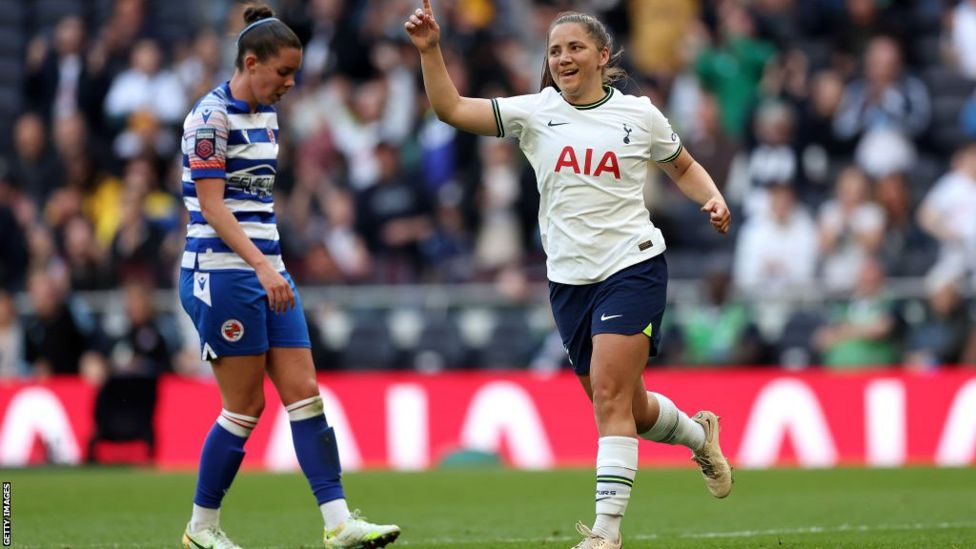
232 330
569 160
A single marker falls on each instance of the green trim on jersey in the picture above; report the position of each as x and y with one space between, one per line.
673 156
598 103
498 117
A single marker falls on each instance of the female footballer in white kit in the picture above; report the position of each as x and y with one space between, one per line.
590 147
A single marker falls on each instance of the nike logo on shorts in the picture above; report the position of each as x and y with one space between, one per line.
604 317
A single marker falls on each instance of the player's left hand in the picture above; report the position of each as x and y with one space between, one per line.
718 214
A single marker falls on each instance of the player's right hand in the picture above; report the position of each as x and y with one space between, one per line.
423 29
280 295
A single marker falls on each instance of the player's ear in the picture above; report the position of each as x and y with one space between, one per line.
250 60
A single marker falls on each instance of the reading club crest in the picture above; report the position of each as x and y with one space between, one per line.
232 330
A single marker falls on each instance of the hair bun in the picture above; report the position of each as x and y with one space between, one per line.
257 12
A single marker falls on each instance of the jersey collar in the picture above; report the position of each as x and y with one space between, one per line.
595 104
242 105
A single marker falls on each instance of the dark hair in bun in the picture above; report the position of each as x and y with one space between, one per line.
263 39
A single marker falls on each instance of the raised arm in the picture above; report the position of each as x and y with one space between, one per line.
697 185
465 113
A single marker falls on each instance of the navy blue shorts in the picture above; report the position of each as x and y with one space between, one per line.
630 302
231 313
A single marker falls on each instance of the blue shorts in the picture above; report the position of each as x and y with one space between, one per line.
230 310
630 302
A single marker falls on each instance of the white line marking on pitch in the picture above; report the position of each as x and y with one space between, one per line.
711 535
643 537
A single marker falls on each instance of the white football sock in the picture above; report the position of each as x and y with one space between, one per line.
334 512
203 518
616 467
674 426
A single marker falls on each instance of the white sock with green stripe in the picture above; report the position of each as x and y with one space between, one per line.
616 467
674 426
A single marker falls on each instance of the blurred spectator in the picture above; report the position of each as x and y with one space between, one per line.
135 248
73 139
773 158
717 332
498 242
12 363
115 40
43 252
856 27
13 246
939 337
354 116
199 69
775 258
34 169
319 57
146 347
657 29
59 337
147 87
394 216
884 109
59 81
450 247
851 229
87 261
905 248
859 330
335 252
948 210
962 37
344 245
734 65
776 251
712 148
815 127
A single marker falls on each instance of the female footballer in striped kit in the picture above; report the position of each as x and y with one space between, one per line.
590 147
234 286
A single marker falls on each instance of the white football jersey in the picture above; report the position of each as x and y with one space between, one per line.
591 162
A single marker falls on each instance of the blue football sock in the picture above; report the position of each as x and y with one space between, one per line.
316 449
222 454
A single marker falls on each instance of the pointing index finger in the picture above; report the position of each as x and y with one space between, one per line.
427 8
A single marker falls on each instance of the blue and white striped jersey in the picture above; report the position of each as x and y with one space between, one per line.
223 139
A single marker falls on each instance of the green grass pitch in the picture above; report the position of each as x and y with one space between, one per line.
496 508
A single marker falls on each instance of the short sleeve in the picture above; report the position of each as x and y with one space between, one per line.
665 144
205 143
512 113
940 198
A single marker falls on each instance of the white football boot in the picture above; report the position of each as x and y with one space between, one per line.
714 467
358 533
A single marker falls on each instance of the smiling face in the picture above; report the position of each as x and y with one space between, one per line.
272 78
576 63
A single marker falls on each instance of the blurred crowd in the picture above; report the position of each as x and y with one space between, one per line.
841 132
